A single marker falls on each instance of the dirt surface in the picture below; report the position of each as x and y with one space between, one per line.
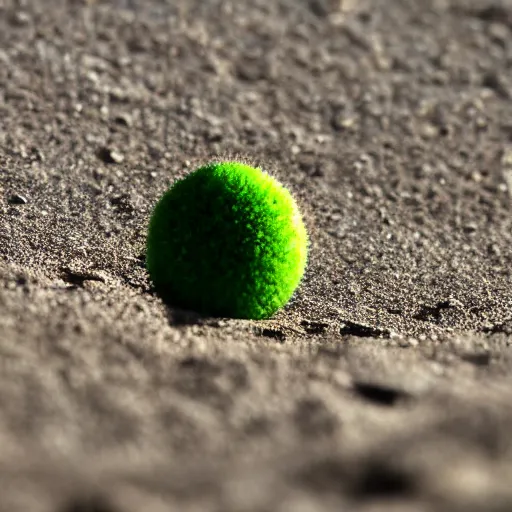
385 384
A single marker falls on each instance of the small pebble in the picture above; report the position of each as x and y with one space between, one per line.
110 156
17 199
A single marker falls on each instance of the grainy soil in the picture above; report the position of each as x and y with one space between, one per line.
385 384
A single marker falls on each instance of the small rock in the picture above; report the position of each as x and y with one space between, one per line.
493 80
117 157
117 94
429 131
470 227
341 123
21 18
476 177
17 199
110 156
123 119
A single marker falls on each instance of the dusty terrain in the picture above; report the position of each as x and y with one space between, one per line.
386 382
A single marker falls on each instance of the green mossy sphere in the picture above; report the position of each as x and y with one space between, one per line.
227 240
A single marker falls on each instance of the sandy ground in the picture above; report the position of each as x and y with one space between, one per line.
385 384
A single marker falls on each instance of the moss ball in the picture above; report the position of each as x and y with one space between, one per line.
227 240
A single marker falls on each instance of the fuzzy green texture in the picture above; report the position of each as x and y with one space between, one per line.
227 240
